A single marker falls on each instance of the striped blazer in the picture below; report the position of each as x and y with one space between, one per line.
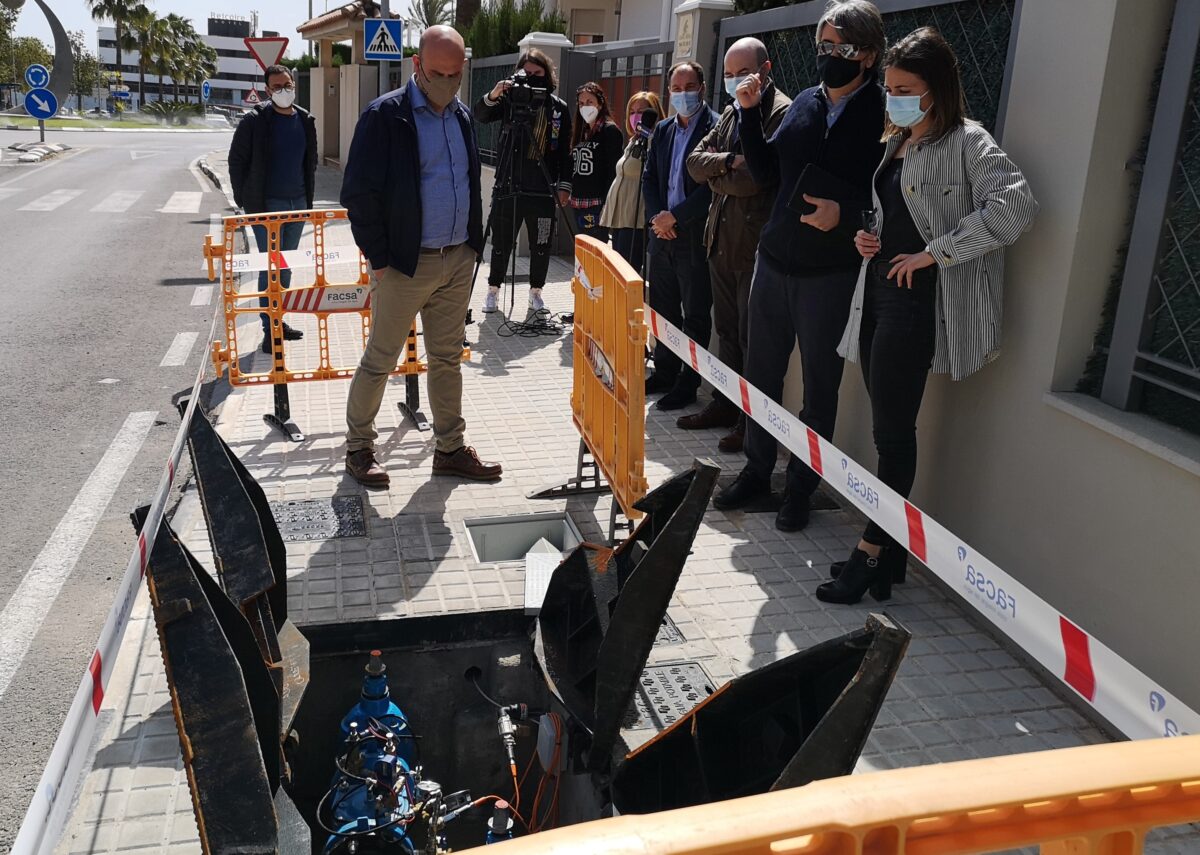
970 201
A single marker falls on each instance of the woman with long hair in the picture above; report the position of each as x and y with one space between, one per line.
624 213
947 201
596 144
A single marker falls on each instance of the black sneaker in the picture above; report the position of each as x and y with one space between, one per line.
657 383
676 399
745 488
793 514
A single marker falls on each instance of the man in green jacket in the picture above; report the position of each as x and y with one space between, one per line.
739 210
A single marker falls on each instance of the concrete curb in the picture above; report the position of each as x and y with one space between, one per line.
228 130
37 152
217 179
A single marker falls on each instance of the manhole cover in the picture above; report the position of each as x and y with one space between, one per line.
666 693
320 519
668 633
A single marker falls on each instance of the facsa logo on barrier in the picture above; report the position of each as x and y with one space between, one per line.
979 586
783 428
344 297
862 491
1158 703
718 375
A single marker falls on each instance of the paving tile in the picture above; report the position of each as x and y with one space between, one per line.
744 599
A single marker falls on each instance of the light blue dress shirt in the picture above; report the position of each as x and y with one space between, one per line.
445 172
681 143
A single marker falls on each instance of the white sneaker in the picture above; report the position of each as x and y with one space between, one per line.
536 303
492 301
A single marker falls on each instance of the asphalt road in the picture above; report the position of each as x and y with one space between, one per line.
100 249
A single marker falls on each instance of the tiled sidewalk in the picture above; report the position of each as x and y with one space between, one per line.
745 597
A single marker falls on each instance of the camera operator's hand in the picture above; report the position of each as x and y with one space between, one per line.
499 89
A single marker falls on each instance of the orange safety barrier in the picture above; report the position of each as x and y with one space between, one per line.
322 298
1095 800
608 395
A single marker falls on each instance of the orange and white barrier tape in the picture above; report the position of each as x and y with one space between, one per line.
1127 698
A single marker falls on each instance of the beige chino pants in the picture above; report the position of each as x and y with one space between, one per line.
440 290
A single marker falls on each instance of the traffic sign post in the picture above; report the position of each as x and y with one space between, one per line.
383 37
41 105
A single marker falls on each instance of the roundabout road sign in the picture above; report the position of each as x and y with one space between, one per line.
206 90
37 76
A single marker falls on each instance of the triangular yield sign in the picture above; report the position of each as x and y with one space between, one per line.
383 42
252 98
268 50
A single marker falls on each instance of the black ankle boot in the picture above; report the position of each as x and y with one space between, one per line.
860 573
894 558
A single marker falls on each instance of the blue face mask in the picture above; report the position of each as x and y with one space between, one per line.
732 83
685 103
905 110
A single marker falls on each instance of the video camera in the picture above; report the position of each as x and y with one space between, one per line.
524 98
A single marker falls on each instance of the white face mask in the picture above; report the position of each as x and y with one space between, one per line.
589 113
284 98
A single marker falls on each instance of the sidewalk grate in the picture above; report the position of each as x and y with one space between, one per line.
666 693
668 633
320 519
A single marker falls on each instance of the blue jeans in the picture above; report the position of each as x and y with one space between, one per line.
289 239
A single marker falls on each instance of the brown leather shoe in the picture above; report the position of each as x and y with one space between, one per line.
364 469
465 463
718 414
733 441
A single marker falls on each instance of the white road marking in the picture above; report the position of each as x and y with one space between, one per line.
5 192
31 602
183 202
52 200
177 353
202 296
66 155
139 155
118 202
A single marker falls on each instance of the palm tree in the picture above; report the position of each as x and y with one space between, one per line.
430 13
198 64
118 11
182 35
139 36
164 51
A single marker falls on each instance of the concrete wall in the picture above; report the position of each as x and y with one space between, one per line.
359 85
323 97
1094 509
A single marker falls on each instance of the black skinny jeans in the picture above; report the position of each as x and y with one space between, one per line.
681 292
537 213
896 344
810 310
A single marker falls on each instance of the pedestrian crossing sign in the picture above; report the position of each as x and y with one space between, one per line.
383 38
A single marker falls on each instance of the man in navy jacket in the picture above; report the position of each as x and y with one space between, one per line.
411 189
677 208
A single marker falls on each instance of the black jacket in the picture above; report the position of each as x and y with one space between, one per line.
595 162
381 187
249 156
693 210
556 146
850 150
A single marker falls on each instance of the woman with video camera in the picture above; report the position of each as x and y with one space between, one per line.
624 213
534 170
596 145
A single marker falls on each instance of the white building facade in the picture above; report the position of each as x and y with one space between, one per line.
237 70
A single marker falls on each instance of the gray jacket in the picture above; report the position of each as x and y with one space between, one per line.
970 201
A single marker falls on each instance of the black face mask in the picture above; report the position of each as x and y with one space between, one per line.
836 71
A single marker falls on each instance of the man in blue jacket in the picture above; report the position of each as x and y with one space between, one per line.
677 208
411 189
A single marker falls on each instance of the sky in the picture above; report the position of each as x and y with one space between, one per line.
280 15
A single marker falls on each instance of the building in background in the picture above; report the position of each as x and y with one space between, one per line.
594 21
237 70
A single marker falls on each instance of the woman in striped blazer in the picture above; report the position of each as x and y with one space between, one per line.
947 201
